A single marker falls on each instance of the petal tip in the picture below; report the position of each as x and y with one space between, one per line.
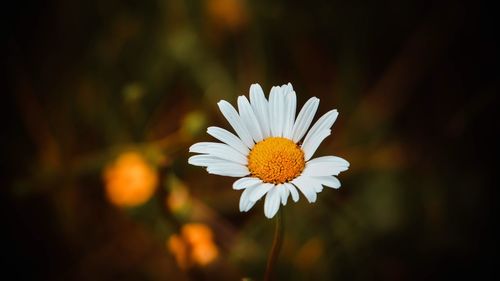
222 102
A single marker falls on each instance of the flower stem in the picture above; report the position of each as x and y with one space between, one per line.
277 242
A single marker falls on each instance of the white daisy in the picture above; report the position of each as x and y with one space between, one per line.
267 153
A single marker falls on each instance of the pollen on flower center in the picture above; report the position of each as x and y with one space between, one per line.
276 160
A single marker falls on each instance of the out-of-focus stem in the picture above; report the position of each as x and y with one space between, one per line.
277 242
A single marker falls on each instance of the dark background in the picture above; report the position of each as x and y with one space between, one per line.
416 84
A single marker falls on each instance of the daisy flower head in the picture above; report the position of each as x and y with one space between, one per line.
272 149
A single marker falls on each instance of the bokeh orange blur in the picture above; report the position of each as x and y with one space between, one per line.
194 246
227 14
130 180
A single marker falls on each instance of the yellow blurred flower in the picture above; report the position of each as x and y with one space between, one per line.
130 180
194 246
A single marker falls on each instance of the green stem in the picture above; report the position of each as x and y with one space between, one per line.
277 242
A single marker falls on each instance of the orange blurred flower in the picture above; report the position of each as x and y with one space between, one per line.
130 180
229 14
194 246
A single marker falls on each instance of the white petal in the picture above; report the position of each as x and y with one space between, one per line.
244 199
325 122
272 203
293 191
290 108
205 160
219 150
319 131
249 119
304 119
313 183
249 206
306 186
329 181
228 138
224 151
260 108
325 166
330 159
318 187
235 121
310 145
260 190
228 169
200 147
276 111
284 192
245 183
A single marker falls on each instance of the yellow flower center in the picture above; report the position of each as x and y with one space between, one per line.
276 160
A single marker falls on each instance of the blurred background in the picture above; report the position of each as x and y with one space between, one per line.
104 98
